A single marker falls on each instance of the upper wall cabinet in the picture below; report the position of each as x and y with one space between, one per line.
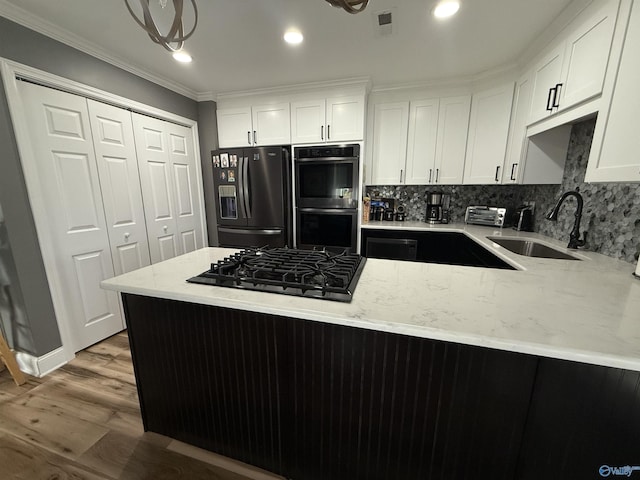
573 70
616 143
257 125
428 149
488 132
336 119
389 143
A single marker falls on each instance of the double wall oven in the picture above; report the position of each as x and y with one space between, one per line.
327 196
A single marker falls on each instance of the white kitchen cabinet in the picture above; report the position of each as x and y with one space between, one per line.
451 141
167 166
338 119
389 143
488 132
511 173
573 70
422 142
258 125
421 145
614 151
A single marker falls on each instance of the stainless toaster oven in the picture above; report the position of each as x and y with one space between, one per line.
491 216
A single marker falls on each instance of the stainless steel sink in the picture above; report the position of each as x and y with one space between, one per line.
531 248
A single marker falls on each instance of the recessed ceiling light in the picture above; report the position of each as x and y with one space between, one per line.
293 37
183 57
446 8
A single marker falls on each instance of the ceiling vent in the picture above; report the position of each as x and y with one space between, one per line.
384 23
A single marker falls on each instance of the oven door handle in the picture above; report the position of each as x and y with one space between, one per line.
346 211
249 232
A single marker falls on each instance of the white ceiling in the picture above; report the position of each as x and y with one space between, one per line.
238 43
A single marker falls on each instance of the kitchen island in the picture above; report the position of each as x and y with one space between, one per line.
430 370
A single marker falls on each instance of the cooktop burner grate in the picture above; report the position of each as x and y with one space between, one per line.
321 274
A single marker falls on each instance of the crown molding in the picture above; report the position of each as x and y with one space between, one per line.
457 81
32 22
364 82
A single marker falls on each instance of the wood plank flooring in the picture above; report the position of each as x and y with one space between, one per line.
83 422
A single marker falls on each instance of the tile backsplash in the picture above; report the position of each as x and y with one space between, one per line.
611 214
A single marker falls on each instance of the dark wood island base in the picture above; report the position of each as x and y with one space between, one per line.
317 401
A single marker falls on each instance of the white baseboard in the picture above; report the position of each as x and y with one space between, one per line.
40 366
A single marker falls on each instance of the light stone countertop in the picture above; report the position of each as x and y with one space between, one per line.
586 311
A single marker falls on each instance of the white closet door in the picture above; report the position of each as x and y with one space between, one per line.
120 183
157 181
183 168
63 150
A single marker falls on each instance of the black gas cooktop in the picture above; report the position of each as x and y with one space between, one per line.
307 273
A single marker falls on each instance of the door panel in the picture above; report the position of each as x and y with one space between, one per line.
451 145
308 122
188 241
265 198
157 182
114 144
89 273
77 194
345 119
186 190
421 147
63 150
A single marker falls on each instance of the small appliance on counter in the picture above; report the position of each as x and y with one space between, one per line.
490 216
380 207
523 218
401 213
437 208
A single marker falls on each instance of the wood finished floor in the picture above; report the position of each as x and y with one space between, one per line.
83 422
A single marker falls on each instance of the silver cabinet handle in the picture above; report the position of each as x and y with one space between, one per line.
321 132
127 235
401 175
165 228
430 172
249 138
255 138
328 132
497 172
437 174
513 169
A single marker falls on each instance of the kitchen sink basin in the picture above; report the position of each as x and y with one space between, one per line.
531 248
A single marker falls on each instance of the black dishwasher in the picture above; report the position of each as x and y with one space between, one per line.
392 248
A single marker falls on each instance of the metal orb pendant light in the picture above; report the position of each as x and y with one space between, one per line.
174 39
351 6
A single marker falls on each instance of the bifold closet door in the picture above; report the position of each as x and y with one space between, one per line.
62 146
115 149
167 164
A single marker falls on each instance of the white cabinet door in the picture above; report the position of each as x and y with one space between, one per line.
345 119
389 143
518 130
614 152
63 149
234 127
157 181
451 142
586 57
421 145
546 76
187 192
488 131
271 124
120 184
308 122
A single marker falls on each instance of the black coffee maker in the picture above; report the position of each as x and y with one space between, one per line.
437 208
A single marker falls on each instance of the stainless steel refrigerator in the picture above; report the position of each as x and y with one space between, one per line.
253 196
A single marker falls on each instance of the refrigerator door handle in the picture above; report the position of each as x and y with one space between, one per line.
243 211
245 187
267 231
